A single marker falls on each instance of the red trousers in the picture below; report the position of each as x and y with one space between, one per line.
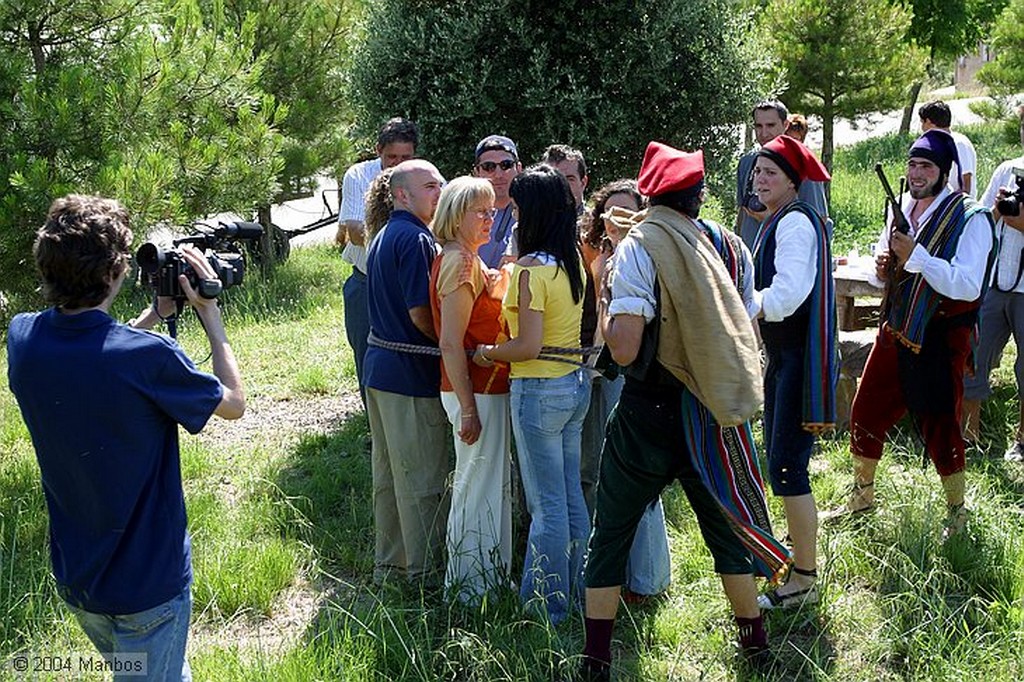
879 404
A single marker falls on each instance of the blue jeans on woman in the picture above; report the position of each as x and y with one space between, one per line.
547 419
160 633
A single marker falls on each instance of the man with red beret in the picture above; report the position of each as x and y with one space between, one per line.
795 308
671 315
935 277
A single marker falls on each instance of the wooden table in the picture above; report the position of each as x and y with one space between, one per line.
853 281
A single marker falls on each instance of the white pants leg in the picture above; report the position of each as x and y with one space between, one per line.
480 522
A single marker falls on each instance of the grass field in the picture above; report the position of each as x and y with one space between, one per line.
280 514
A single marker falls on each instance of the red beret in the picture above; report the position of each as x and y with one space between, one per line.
802 162
666 169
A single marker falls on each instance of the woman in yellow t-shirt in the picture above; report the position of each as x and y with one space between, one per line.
543 307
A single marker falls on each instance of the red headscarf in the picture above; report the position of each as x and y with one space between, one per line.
666 169
795 160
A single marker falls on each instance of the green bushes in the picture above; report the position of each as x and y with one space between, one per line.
606 77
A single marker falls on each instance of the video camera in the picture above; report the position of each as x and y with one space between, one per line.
161 267
1011 205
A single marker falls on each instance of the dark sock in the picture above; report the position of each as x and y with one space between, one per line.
752 633
598 647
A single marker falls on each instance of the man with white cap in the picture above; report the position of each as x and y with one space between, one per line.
497 160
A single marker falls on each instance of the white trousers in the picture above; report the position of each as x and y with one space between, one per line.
480 522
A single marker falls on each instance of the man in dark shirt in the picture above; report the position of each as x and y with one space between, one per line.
410 429
770 119
102 402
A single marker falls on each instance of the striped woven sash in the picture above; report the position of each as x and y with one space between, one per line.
915 302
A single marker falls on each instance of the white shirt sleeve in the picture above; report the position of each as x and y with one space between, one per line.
960 278
968 160
632 281
1002 177
353 190
796 257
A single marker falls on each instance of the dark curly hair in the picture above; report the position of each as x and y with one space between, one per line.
398 129
547 220
82 247
593 224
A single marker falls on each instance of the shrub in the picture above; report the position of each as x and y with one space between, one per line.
604 77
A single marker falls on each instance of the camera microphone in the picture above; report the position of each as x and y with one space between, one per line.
240 230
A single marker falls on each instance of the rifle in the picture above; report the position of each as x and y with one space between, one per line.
899 220
900 224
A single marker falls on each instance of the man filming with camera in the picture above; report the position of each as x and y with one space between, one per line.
1002 311
102 402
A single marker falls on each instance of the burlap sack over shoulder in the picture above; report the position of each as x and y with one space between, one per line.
707 339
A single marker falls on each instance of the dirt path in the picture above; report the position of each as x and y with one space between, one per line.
282 419
281 422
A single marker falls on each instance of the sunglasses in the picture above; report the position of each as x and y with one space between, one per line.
490 166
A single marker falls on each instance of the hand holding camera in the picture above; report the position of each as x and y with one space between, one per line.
186 273
1008 201
162 268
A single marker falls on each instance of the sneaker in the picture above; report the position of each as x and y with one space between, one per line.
1015 453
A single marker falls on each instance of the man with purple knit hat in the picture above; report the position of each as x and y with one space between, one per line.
671 315
935 277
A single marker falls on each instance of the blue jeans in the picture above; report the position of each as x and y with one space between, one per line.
160 632
547 419
357 321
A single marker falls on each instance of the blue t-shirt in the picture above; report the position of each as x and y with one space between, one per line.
398 279
102 402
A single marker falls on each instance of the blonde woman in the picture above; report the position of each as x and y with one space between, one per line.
466 300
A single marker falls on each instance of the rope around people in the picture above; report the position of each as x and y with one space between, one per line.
550 353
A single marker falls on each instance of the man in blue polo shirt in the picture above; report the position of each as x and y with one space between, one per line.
102 402
410 430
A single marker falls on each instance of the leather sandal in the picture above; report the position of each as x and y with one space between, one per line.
847 510
809 595
956 521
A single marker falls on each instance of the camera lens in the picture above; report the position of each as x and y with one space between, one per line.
1009 206
150 257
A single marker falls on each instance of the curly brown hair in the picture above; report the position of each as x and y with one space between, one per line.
379 204
84 245
593 224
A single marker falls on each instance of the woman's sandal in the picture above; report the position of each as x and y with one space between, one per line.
848 510
773 600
